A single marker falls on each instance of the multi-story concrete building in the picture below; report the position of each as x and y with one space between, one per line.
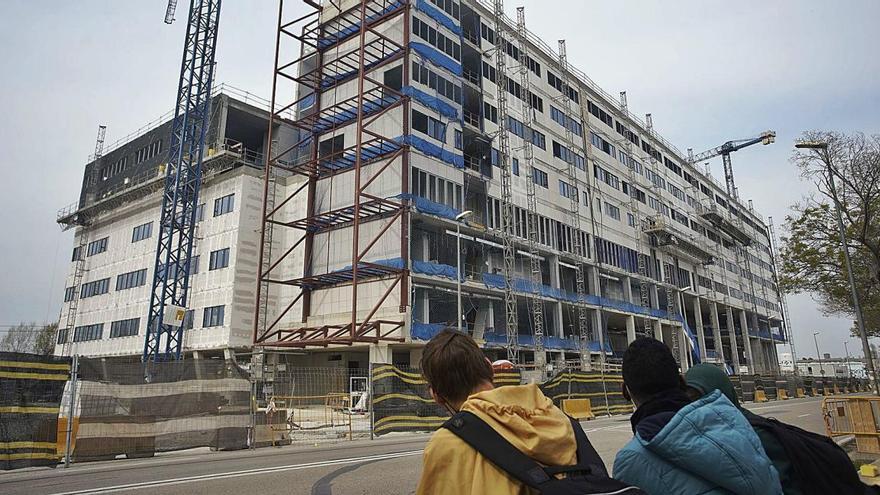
105 305
399 110
393 134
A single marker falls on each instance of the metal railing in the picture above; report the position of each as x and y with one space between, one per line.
856 416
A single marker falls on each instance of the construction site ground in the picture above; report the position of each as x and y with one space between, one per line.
388 465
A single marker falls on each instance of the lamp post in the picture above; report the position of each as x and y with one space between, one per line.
458 219
848 366
821 371
822 149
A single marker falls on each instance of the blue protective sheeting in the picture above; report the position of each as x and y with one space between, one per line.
426 331
432 150
439 16
368 154
550 342
695 347
342 116
434 269
348 31
432 102
429 207
335 78
436 57
307 102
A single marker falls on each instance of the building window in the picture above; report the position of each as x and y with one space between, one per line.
429 125
77 252
514 165
449 6
612 211
435 81
88 332
219 259
188 319
458 139
124 328
142 232
96 288
213 316
97 247
606 176
630 220
569 156
69 294
224 205
194 265
421 29
200 212
62 335
567 190
131 280
539 177
490 113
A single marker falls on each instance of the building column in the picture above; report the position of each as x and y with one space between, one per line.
761 363
592 275
747 341
658 330
630 329
627 289
380 354
684 348
415 357
556 311
716 331
655 299
731 335
698 319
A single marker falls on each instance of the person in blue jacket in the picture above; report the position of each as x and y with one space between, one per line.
684 447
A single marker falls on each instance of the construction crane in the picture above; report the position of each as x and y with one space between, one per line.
765 138
183 176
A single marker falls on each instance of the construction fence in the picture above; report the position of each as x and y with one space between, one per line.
70 410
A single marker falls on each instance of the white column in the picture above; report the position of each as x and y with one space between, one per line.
747 341
716 331
630 329
380 354
684 348
627 289
698 318
731 336
658 330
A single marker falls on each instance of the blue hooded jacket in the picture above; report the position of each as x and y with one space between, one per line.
707 447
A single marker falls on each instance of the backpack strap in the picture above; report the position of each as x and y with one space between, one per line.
491 445
588 460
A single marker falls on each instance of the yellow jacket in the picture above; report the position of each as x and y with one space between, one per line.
524 417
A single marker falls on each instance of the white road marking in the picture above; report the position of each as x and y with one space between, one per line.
247 472
804 415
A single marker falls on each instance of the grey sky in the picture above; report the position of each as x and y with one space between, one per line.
709 71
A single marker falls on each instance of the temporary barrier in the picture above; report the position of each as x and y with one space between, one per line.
857 416
605 390
578 408
31 387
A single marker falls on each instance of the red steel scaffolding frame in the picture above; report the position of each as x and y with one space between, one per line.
313 72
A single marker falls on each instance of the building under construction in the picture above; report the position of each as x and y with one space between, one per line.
400 131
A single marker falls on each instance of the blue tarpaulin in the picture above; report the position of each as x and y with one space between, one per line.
439 16
335 37
342 116
368 153
434 269
429 207
425 331
432 102
432 150
436 57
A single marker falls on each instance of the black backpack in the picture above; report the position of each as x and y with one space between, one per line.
588 476
820 466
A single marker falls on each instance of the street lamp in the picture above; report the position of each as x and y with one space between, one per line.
822 148
458 219
848 366
821 371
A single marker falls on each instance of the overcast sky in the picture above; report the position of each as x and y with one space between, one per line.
708 71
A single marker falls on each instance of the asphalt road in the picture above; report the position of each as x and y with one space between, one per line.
384 466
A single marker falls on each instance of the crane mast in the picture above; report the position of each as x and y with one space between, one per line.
183 176
765 138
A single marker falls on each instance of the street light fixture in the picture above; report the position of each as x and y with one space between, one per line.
458 219
822 147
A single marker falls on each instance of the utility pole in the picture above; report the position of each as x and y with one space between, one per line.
821 371
822 150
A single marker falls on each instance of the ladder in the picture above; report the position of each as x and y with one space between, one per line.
532 223
507 226
268 229
644 294
584 334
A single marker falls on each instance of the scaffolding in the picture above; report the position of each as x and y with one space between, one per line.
584 334
783 304
325 63
531 198
507 226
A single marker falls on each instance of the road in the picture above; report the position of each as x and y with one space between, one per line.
386 466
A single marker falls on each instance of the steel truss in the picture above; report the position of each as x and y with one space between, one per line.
324 64
183 179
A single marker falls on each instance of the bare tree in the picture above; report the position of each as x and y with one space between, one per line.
20 338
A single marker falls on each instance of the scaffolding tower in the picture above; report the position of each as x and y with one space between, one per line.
531 198
783 304
584 335
324 64
507 226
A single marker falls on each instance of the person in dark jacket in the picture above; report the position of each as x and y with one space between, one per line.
684 447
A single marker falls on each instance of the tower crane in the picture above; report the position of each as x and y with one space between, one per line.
183 177
765 138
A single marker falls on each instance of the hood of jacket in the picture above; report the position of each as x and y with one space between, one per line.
526 418
708 377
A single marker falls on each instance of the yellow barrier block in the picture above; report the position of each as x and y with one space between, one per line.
782 394
869 471
760 396
578 408
799 393
836 390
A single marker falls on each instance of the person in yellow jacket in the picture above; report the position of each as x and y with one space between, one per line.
460 378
